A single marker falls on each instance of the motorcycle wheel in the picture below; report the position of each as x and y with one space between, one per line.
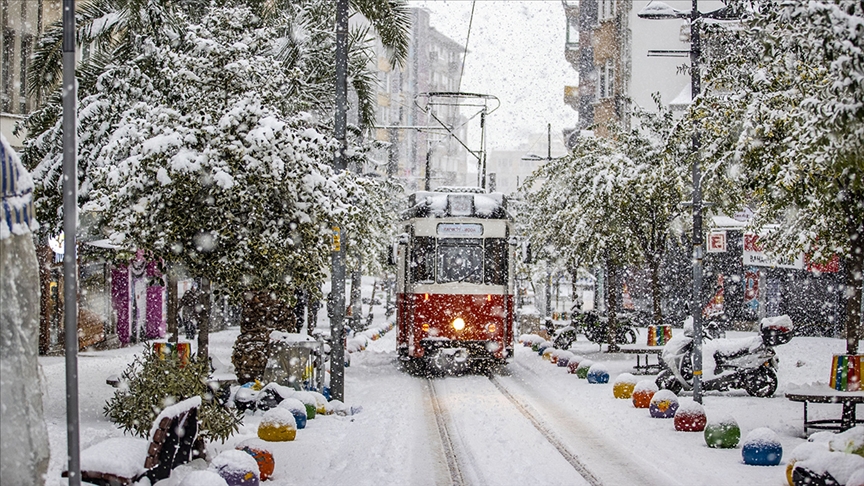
762 383
667 381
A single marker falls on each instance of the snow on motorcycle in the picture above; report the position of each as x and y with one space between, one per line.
743 363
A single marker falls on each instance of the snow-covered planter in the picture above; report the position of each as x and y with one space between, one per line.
722 433
597 373
690 417
663 404
277 425
237 468
762 448
623 386
643 392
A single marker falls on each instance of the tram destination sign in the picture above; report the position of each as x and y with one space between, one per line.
460 229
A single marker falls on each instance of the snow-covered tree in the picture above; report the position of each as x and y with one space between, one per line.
120 32
578 207
612 202
784 113
201 152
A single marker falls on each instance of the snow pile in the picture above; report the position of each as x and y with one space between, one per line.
761 437
646 386
840 456
235 462
690 408
203 478
175 411
289 337
279 417
627 378
120 456
293 405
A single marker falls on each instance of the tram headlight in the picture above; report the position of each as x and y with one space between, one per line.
491 328
458 324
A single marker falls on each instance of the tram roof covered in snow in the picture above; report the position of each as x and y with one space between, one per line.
445 202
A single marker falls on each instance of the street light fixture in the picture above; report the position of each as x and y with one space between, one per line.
661 11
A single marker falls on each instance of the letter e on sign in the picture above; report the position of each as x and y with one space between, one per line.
716 242
336 238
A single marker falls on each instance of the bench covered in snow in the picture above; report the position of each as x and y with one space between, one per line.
125 460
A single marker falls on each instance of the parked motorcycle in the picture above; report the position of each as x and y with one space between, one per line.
745 363
595 328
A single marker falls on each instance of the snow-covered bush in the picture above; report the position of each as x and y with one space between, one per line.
153 382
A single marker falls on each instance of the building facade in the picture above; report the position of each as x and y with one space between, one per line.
410 133
23 21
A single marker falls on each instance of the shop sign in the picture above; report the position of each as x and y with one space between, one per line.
753 255
716 242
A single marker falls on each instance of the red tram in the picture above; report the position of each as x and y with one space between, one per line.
455 279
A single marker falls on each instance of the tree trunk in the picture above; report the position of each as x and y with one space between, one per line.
612 305
854 269
260 315
204 320
171 306
656 294
356 309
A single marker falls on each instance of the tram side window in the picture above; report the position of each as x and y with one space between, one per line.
496 262
460 260
423 259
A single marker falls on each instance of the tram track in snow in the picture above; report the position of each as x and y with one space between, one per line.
441 420
547 433
458 457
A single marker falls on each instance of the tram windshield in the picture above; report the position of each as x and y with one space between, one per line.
460 260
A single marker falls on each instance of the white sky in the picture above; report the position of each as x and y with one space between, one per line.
515 52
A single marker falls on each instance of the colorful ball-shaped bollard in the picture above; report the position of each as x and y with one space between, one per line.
623 386
762 448
297 409
277 425
237 468
722 433
542 347
643 392
663 404
573 364
582 369
690 417
597 373
547 353
262 455
564 359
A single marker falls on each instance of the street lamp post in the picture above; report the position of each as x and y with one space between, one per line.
662 11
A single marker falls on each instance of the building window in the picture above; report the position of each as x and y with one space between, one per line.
573 32
606 10
606 81
26 46
8 53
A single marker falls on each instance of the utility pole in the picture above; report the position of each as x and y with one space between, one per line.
337 276
663 12
70 251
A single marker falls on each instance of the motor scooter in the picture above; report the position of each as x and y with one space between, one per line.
745 363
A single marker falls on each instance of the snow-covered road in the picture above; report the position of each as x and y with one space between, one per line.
395 439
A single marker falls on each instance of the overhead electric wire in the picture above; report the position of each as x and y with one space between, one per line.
467 38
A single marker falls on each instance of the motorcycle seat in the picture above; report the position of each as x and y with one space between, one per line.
732 349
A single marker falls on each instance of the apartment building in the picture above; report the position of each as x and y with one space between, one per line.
23 21
617 55
433 65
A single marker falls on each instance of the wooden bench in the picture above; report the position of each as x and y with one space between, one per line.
125 460
825 394
644 352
